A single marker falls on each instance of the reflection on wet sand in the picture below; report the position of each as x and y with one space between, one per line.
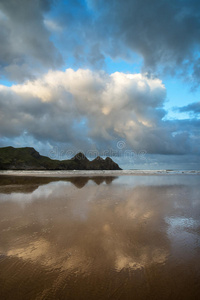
104 241
27 184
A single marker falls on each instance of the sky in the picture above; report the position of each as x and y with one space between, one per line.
112 78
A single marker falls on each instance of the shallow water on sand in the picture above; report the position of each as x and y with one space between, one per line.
126 237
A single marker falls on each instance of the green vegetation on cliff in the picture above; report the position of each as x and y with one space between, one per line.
29 159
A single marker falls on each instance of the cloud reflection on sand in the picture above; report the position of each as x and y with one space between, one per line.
109 226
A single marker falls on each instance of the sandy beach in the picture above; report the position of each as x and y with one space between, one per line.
104 173
121 237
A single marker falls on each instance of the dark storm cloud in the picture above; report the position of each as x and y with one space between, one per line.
165 33
25 47
193 108
185 134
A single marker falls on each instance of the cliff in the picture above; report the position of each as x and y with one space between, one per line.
29 159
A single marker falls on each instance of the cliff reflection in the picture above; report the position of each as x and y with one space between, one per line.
27 184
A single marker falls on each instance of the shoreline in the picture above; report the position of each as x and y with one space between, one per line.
86 173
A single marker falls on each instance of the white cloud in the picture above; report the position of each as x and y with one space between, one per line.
85 108
52 25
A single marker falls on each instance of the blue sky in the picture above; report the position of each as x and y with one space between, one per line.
92 75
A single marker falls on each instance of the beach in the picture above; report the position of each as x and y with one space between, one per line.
99 235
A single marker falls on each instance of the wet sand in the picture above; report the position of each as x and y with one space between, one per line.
125 237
